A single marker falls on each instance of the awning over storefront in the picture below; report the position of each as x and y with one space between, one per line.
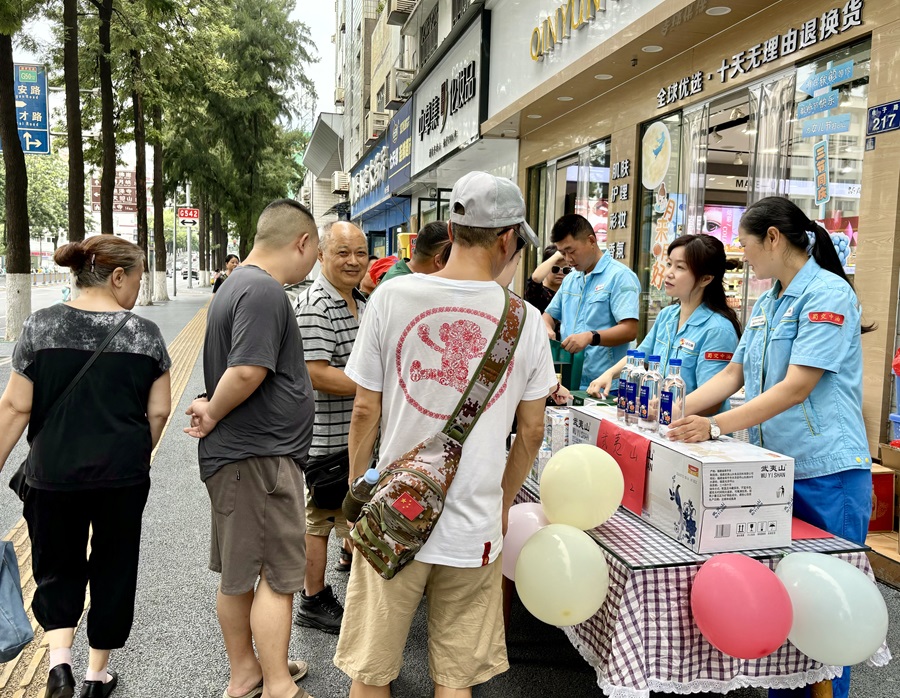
323 154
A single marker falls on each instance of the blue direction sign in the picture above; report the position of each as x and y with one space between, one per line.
30 91
829 100
826 126
827 78
884 117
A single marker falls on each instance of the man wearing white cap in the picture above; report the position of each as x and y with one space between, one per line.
419 343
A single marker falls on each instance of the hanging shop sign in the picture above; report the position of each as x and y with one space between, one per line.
816 30
400 140
829 100
820 158
446 107
369 180
825 126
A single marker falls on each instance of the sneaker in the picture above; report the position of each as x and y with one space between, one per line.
321 611
344 562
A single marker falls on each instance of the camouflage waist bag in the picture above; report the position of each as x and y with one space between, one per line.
409 497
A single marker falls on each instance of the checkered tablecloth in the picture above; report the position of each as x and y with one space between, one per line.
644 637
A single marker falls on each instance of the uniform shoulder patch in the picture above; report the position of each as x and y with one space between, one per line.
833 318
718 356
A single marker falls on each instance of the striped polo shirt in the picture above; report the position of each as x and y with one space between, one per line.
328 329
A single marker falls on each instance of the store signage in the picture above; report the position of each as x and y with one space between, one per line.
829 100
826 126
400 140
619 192
820 158
560 23
617 249
831 76
368 181
447 103
883 118
831 23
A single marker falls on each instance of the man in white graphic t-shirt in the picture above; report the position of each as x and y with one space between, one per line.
420 341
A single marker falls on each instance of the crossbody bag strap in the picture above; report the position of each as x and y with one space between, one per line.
78 376
491 370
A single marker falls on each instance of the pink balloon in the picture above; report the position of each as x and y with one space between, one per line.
524 521
740 606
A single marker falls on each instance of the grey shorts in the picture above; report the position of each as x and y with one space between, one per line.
258 524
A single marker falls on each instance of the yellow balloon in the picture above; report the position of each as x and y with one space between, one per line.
581 486
561 575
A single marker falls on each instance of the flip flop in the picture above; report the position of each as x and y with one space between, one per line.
298 670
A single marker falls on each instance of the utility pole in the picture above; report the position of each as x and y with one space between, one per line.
175 244
187 196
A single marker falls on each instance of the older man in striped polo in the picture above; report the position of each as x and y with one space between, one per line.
328 315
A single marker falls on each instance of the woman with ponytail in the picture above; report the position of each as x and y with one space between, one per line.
700 328
800 362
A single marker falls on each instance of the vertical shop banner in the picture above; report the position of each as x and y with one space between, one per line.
447 105
369 180
820 158
400 142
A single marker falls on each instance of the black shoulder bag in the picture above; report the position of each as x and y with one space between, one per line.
18 483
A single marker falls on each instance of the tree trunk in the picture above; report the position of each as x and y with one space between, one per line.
107 125
160 291
140 172
205 217
221 245
73 122
18 239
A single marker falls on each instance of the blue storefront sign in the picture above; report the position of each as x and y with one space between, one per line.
400 148
828 78
829 100
369 180
826 126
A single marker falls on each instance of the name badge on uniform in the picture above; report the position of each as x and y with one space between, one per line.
757 321
598 287
687 344
789 312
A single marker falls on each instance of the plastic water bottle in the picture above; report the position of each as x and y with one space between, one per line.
621 400
360 492
648 395
631 392
671 400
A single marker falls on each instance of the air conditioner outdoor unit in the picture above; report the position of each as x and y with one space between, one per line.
398 82
339 96
305 196
340 182
376 122
399 11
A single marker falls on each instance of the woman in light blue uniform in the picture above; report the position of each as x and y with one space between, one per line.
700 329
800 362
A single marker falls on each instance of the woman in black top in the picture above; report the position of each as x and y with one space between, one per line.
90 468
546 279
231 261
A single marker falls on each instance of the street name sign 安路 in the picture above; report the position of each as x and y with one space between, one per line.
30 92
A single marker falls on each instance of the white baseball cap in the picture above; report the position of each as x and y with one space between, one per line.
481 200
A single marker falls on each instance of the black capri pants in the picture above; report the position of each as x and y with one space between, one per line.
59 524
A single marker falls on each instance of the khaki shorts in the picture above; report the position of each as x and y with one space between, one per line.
466 639
258 524
319 522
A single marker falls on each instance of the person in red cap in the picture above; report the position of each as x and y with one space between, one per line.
381 267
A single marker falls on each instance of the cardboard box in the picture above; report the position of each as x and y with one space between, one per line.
882 519
716 496
556 427
890 456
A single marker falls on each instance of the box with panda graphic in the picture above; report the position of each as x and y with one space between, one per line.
719 496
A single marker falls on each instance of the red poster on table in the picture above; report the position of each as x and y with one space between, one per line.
630 451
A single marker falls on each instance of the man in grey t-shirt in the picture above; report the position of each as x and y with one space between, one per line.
255 428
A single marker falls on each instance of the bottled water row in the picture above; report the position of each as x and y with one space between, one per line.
645 398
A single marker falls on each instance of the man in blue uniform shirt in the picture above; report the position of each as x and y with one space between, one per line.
597 306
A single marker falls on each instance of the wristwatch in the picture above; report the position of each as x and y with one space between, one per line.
714 431
595 338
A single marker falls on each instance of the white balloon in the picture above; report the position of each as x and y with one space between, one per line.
581 486
561 575
840 617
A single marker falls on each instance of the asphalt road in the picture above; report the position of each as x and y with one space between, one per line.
175 648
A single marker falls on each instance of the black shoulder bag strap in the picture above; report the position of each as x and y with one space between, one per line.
17 482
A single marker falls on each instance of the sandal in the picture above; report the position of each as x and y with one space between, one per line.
345 561
298 669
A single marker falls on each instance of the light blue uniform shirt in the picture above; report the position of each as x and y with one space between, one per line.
815 323
705 344
597 301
